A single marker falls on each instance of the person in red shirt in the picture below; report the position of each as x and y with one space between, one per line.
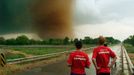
101 58
78 60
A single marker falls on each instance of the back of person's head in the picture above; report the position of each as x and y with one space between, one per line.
78 44
101 40
105 44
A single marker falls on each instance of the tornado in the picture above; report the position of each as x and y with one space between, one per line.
53 18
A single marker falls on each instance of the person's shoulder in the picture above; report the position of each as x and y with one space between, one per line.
73 52
108 48
84 53
96 48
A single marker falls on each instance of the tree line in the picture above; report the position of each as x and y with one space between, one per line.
130 40
24 40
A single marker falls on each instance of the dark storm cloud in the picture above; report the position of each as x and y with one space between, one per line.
49 18
14 16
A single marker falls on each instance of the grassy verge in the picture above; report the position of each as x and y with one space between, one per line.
40 51
14 56
45 50
21 52
16 53
129 48
16 68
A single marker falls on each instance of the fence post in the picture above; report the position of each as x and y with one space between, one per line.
2 59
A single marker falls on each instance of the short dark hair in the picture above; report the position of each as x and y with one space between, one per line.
78 44
105 44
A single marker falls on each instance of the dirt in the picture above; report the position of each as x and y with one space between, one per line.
19 52
131 55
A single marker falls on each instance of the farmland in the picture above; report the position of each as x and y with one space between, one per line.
130 50
22 52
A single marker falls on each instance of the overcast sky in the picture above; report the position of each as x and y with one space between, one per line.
104 17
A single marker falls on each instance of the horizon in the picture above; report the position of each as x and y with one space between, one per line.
36 37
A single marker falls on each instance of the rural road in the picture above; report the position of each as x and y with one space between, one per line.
60 68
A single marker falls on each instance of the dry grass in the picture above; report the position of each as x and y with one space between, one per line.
131 55
20 52
11 69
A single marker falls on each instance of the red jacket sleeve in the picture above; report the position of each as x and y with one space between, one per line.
69 61
112 54
88 63
94 54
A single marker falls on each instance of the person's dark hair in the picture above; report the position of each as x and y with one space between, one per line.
78 44
105 44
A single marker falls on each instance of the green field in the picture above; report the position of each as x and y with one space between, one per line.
41 51
15 56
129 48
33 51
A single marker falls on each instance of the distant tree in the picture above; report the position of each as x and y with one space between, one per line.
39 42
130 40
58 42
95 41
44 41
87 40
53 41
2 41
76 39
111 40
66 41
81 40
50 41
11 41
22 40
71 41
33 42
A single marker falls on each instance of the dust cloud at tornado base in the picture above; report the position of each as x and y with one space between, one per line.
53 18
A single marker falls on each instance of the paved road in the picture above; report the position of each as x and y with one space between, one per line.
60 68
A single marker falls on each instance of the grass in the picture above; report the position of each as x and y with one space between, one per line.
16 68
129 48
41 51
14 56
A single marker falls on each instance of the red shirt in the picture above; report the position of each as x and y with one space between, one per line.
102 55
78 61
